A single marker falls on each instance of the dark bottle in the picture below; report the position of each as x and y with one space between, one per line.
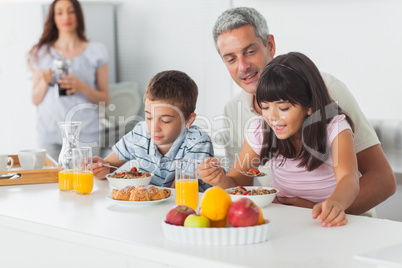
61 66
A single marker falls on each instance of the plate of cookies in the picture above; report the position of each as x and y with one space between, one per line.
140 195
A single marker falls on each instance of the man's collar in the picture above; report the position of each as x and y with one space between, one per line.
247 100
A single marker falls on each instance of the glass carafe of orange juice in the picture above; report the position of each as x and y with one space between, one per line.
70 133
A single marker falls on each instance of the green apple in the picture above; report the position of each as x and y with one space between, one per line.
194 220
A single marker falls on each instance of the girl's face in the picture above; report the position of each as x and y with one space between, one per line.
64 16
285 119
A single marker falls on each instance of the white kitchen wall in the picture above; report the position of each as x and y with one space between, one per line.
19 27
358 41
158 35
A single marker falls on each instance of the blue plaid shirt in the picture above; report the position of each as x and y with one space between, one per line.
192 143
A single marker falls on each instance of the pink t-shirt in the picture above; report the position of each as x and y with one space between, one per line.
292 181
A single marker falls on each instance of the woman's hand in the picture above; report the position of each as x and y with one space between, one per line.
72 83
330 213
98 169
47 76
209 173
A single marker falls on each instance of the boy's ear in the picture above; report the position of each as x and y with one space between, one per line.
190 120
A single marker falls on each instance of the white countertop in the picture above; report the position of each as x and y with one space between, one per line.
64 229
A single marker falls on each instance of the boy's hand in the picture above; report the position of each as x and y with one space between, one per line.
330 213
99 170
209 173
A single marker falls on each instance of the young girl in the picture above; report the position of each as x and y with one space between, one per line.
305 137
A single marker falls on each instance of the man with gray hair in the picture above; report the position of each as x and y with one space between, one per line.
243 41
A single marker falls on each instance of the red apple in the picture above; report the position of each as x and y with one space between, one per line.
243 212
178 214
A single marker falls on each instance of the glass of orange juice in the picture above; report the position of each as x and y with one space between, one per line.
83 174
186 183
66 178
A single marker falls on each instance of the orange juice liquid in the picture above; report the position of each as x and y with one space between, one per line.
66 178
187 193
83 182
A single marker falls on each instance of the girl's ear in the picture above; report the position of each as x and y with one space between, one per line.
309 111
190 120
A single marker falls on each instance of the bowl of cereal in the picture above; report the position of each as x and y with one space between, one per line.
261 196
123 178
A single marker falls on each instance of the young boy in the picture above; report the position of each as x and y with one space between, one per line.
166 134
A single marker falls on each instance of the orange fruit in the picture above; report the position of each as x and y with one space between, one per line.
261 218
220 223
215 203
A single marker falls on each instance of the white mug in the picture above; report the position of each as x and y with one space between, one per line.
4 159
32 158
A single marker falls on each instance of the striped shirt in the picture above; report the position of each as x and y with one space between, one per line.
192 143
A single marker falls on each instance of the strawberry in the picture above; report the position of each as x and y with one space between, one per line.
253 170
241 187
133 169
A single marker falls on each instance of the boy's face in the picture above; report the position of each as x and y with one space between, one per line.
164 123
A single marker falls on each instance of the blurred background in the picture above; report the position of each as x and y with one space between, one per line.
358 41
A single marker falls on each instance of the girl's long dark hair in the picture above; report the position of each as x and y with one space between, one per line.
50 31
294 77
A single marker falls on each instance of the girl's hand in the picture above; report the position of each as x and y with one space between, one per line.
209 173
72 83
330 213
98 169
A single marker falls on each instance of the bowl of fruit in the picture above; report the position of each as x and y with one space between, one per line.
261 196
219 222
132 177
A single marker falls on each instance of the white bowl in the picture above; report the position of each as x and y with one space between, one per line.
259 200
217 236
121 183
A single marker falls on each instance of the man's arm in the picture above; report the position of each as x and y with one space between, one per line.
377 182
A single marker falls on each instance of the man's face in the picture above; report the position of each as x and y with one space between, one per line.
245 55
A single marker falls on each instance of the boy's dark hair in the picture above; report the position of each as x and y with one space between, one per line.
294 77
174 87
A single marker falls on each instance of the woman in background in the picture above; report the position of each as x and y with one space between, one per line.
87 84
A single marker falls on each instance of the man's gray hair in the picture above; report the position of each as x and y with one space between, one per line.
237 17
